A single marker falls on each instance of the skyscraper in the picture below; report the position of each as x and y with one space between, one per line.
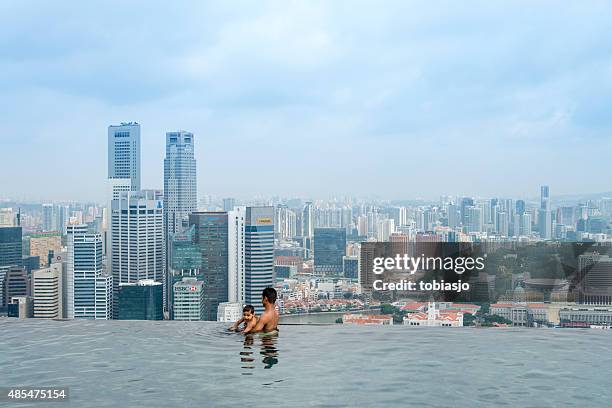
47 291
189 300
10 246
48 217
211 235
329 248
142 300
184 259
544 214
180 196
250 254
16 283
124 153
89 291
137 241
258 254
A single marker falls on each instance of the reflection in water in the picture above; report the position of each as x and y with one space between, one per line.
268 351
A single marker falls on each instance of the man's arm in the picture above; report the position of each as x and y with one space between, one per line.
265 318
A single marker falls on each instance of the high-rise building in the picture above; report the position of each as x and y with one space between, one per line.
185 260
48 217
258 254
211 234
544 198
124 153
137 240
89 291
47 292
142 300
42 243
11 246
16 283
189 299
308 228
180 196
228 204
350 267
473 219
250 254
329 248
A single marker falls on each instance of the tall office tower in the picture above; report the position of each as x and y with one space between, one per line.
89 291
124 153
16 283
236 255
228 204
501 224
48 217
520 207
362 225
525 227
403 216
544 198
184 260
211 235
474 219
42 243
308 228
142 300
189 300
545 226
47 292
453 215
466 202
384 228
284 223
258 254
11 246
329 248
137 239
250 254
180 198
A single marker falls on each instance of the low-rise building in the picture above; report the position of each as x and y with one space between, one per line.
368 320
434 317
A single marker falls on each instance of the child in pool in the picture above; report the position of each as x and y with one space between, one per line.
248 318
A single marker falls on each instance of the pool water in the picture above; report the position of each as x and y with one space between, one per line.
199 364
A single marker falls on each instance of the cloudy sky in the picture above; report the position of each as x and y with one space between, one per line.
305 98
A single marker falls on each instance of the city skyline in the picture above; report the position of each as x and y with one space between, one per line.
372 99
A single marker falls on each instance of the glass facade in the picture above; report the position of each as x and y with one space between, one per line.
329 248
141 301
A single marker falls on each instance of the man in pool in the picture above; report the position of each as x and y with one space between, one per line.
248 318
268 321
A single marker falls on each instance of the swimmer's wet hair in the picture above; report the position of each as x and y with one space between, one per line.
270 294
248 308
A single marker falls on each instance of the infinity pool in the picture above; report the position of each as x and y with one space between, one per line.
198 364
